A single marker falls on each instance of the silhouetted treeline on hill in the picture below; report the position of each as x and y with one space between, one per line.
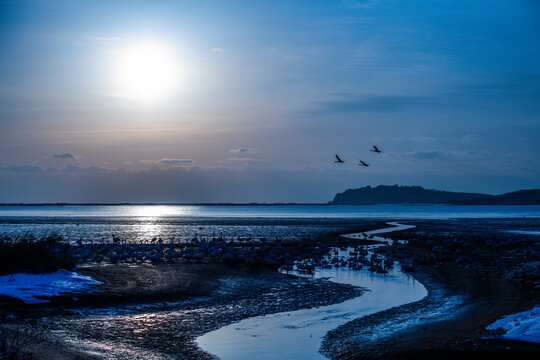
384 194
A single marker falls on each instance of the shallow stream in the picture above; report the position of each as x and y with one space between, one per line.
298 334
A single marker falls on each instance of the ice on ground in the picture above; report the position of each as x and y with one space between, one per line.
523 326
27 286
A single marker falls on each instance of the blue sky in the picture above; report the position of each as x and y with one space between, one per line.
267 93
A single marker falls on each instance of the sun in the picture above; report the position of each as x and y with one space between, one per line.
147 71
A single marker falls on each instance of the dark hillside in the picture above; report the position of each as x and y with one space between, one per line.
395 194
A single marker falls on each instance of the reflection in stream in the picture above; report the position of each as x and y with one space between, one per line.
298 334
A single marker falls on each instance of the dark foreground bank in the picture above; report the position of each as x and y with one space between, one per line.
156 311
159 310
475 271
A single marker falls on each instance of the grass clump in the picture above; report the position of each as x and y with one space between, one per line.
28 254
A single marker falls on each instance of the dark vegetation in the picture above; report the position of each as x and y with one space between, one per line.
396 194
19 336
264 253
30 255
520 197
469 248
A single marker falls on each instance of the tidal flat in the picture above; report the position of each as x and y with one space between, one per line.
156 311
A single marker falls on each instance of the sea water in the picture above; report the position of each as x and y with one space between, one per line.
176 222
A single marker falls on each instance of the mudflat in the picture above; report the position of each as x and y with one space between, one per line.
464 297
156 311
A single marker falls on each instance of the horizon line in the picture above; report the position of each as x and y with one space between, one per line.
60 204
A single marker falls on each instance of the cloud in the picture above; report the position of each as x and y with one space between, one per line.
293 58
21 168
218 49
427 154
37 169
242 150
168 184
224 184
170 162
242 159
102 39
456 155
354 4
373 103
471 138
63 156
78 169
516 83
166 161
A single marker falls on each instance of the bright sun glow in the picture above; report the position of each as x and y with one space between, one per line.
147 71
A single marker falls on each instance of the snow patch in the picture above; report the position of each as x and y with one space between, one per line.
27 286
523 326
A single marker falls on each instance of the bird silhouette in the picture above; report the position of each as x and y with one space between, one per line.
338 160
363 163
375 149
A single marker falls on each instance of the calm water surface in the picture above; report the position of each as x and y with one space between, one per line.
273 211
297 335
181 222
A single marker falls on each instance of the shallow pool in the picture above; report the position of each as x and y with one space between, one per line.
298 334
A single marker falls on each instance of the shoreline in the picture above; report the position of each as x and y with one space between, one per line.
255 337
216 296
472 297
443 325
421 340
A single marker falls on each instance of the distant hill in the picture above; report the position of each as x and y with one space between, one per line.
520 197
384 194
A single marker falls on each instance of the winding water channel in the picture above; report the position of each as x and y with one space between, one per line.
298 334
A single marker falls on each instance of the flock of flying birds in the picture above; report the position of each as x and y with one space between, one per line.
375 150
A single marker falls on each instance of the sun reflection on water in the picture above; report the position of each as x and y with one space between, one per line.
148 225
156 211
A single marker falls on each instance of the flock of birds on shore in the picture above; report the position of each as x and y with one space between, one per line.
354 258
301 257
375 149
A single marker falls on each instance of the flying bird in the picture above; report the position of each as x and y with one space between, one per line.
363 163
375 149
338 160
